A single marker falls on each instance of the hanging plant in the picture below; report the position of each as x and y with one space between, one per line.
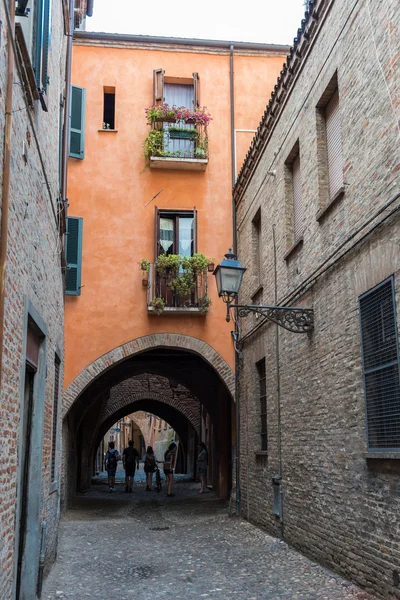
204 304
164 112
158 305
153 144
144 265
168 264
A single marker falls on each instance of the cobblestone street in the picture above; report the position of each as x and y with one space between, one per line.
145 546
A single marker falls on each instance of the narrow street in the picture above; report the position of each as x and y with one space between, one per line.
145 546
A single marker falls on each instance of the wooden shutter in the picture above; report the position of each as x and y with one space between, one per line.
334 145
38 43
156 233
196 83
74 256
297 200
77 122
46 44
158 86
194 230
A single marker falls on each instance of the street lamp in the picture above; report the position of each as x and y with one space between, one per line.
229 274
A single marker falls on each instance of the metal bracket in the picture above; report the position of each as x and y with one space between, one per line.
296 320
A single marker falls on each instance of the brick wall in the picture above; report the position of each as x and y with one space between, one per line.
339 507
33 274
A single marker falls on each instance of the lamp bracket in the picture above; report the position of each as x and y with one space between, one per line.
296 320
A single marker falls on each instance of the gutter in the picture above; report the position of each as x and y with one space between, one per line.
10 14
151 39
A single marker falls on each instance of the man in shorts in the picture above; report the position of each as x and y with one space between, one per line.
130 460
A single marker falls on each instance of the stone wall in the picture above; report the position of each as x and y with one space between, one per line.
341 505
33 277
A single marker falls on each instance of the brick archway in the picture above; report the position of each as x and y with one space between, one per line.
140 345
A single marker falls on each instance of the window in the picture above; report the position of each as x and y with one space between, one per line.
176 232
256 231
56 394
73 252
33 18
294 200
262 386
329 146
181 91
77 122
381 366
109 108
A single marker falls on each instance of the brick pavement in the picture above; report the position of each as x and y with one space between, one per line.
144 545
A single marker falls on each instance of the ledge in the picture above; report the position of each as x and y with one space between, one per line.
296 246
108 130
382 455
182 164
177 310
261 453
323 212
257 291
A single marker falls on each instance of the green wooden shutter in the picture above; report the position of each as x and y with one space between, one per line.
42 43
77 122
74 256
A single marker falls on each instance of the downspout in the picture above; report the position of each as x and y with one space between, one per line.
10 13
236 332
67 106
42 559
278 392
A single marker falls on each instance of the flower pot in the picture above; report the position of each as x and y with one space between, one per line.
182 135
211 268
145 282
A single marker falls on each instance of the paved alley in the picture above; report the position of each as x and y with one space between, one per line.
146 546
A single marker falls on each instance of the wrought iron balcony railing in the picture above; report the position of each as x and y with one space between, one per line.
178 139
163 293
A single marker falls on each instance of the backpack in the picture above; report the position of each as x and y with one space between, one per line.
149 464
130 455
112 460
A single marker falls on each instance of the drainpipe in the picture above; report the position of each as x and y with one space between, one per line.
278 392
6 172
236 332
41 559
67 105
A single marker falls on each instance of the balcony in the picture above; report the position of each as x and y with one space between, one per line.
177 293
177 140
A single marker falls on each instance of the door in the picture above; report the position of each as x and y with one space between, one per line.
179 95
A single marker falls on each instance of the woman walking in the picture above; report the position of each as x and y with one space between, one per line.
149 466
169 464
202 461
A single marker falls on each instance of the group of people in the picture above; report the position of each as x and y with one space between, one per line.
130 461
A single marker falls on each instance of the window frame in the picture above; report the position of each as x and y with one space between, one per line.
261 368
55 417
379 368
169 214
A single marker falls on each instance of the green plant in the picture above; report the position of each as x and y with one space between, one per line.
173 129
199 263
164 112
168 264
153 144
158 304
144 265
204 304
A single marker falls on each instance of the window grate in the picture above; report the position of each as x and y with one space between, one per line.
262 381
381 366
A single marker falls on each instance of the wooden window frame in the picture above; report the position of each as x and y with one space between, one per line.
293 242
169 214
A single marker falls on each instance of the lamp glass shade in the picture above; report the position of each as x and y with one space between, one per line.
229 274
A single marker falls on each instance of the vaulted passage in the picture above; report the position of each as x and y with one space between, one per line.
177 386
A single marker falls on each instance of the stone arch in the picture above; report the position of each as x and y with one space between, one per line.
140 345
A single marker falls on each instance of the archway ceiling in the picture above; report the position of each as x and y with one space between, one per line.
180 367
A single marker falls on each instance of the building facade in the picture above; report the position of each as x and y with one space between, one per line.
317 206
33 75
150 207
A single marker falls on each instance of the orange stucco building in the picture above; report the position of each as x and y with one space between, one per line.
176 201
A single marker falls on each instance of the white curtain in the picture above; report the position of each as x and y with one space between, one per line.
185 236
166 235
179 95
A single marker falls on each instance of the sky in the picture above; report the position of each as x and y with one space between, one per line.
265 21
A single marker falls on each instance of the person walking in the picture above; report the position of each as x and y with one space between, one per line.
169 465
130 460
112 458
150 464
202 462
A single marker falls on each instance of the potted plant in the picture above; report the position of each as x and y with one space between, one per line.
145 268
182 133
211 265
153 144
158 305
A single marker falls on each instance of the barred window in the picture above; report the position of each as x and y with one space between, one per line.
262 382
381 366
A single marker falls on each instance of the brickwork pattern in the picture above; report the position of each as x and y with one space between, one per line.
166 340
339 507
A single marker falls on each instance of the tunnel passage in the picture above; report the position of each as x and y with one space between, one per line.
179 386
